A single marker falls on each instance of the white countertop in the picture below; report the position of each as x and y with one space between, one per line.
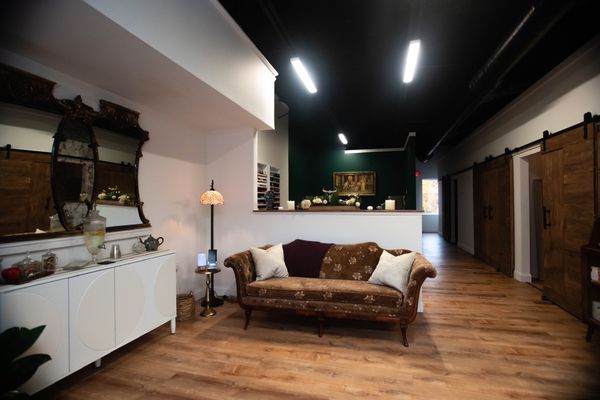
65 274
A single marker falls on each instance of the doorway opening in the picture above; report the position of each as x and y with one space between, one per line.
536 251
528 228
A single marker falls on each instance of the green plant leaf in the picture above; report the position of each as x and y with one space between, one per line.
16 341
20 370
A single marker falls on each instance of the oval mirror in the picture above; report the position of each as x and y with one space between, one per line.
73 158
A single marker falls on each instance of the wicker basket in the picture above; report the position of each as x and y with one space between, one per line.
186 306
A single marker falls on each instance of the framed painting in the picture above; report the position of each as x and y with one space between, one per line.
361 183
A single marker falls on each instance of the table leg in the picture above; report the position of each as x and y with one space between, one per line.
208 310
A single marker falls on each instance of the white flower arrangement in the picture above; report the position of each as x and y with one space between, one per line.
305 204
113 193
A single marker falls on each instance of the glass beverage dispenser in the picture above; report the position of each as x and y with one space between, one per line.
94 230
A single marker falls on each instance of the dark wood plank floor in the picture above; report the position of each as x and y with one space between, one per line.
482 336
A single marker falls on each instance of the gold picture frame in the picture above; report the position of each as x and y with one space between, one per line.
361 183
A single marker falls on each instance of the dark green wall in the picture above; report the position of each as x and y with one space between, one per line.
312 163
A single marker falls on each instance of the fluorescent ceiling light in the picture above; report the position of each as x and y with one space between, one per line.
303 74
411 60
343 138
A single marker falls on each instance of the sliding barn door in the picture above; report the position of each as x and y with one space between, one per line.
493 213
568 207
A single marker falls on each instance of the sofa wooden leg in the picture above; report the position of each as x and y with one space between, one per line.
590 333
404 339
248 312
321 322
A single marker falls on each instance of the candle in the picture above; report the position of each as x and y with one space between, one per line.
202 259
291 205
390 204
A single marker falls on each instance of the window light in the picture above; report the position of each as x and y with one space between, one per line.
343 138
412 57
303 75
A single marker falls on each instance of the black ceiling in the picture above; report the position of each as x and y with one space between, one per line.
354 50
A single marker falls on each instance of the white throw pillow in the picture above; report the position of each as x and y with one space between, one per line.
393 271
269 263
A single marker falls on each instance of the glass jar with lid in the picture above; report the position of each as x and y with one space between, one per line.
49 261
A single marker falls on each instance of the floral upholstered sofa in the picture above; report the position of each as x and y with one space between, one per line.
331 281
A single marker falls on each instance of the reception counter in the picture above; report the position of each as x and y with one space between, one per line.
390 229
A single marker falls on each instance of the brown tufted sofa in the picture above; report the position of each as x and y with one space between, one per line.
340 291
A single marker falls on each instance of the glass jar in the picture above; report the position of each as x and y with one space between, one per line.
138 247
49 261
94 230
55 225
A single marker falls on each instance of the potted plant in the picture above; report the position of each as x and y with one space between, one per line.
16 371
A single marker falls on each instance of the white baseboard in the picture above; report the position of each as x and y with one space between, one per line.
522 277
466 248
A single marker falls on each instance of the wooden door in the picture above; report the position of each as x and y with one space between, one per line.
479 211
492 206
502 216
25 192
569 199
554 280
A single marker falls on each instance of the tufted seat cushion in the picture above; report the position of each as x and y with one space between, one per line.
327 290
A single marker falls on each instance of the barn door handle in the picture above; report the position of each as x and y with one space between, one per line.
490 216
546 217
484 212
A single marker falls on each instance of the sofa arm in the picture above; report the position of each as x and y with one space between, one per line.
421 270
243 269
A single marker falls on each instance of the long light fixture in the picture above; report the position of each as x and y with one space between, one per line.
303 75
343 138
412 57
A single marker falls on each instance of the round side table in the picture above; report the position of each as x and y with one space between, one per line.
208 311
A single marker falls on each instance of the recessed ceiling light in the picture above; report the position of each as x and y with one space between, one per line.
343 138
303 75
411 60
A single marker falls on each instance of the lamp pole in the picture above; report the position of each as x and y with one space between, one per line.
212 225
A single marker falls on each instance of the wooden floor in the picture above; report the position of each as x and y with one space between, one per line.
482 336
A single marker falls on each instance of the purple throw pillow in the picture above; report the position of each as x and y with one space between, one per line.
303 257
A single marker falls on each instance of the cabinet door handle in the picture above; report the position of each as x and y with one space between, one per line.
546 217
490 216
484 212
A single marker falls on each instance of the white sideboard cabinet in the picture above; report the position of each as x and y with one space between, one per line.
90 312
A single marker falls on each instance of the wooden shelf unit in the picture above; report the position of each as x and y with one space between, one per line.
590 257
261 185
267 178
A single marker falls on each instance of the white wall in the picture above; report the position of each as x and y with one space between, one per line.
272 148
466 239
228 61
522 271
557 101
